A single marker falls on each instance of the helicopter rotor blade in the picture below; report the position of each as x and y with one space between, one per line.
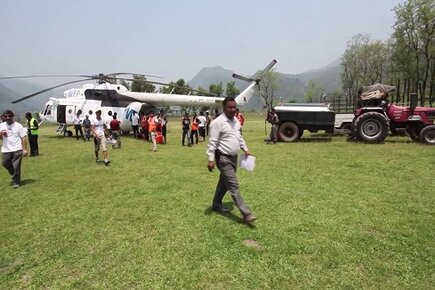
173 86
134 74
269 66
44 76
243 78
48 89
265 70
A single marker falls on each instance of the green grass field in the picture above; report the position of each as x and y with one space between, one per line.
331 214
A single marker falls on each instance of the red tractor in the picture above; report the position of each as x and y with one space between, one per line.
375 117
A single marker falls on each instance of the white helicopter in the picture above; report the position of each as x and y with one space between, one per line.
116 98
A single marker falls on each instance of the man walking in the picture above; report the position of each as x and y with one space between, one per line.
99 129
224 143
115 128
14 146
33 133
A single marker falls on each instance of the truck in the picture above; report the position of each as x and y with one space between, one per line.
294 118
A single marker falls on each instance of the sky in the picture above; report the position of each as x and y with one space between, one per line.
175 38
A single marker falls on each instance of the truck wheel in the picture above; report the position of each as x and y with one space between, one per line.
371 127
427 135
288 132
301 132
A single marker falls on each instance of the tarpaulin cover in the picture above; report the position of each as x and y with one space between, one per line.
376 91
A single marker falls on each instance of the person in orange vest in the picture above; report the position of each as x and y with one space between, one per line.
241 119
194 126
153 122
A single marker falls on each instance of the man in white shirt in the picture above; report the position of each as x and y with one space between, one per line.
78 125
99 129
224 143
135 124
14 146
201 126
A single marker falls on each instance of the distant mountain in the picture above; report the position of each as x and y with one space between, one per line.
11 90
291 88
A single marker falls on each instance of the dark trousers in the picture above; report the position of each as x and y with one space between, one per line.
87 133
79 130
202 132
227 165
33 142
194 133
135 130
12 162
274 133
164 133
145 133
185 133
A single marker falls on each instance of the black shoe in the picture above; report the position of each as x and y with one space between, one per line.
220 209
249 218
107 162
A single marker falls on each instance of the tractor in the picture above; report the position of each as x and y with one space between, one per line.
375 117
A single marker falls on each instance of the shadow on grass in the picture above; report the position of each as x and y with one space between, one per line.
386 141
315 139
229 215
27 181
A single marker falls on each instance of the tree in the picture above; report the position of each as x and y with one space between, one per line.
140 84
414 46
180 87
217 89
231 90
313 90
364 63
267 87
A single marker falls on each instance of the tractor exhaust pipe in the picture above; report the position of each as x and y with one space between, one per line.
413 102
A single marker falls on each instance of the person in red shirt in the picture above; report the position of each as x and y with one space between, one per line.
115 127
144 125
194 127
241 119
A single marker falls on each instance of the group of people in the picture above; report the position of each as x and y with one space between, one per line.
152 127
194 128
225 140
199 126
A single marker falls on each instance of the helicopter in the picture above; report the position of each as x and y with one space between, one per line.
116 98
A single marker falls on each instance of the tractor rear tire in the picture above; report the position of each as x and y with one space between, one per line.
427 135
371 127
288 132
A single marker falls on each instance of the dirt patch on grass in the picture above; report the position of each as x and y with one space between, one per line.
252 244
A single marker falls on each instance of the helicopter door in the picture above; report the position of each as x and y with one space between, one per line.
70 113
61 114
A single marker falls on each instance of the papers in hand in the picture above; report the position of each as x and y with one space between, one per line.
110 141
247 162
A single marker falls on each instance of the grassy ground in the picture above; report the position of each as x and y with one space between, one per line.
331 214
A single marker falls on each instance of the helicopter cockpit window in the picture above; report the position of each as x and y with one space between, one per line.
48 110
44 110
